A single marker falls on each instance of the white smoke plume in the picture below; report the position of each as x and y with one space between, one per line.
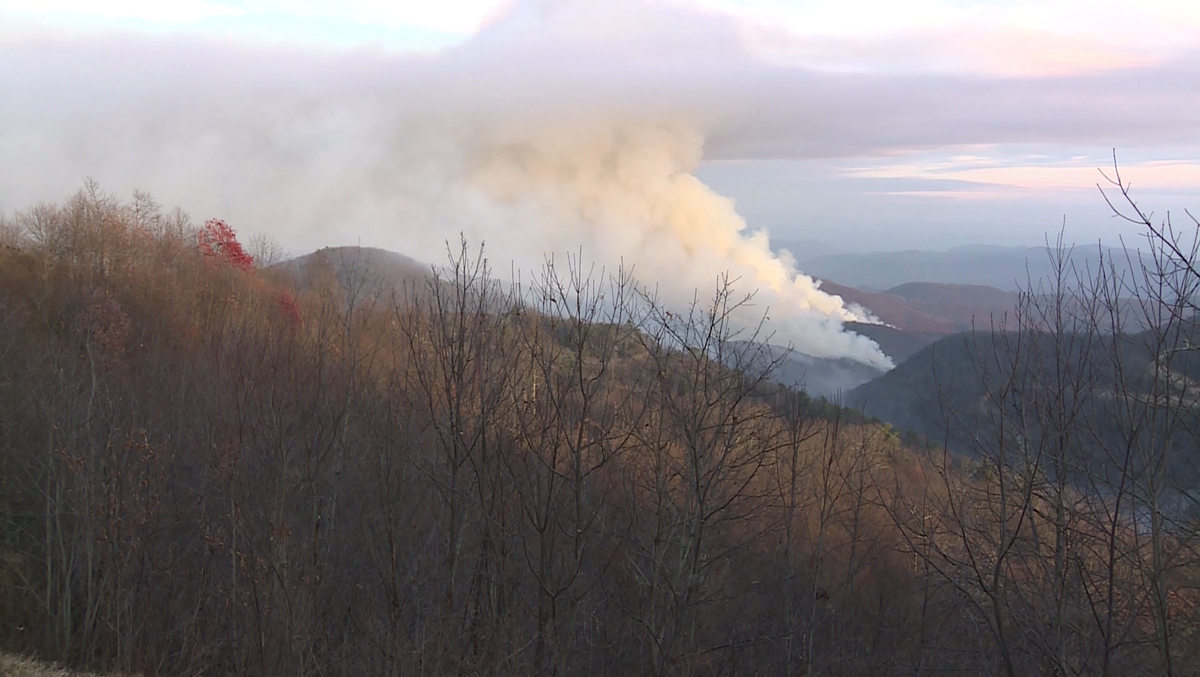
560 126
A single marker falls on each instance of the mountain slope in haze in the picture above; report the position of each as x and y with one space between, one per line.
932 308
961 306
951 295
824 377
911 396
1006 268
896 343
817 376
376 270
975 388
918 313
891 309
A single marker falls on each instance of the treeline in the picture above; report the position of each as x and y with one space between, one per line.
209 468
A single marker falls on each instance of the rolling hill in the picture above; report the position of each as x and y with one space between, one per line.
1130 392
928 307
376 269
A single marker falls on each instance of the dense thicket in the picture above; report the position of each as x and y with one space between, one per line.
208 470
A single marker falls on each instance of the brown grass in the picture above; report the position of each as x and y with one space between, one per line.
12 666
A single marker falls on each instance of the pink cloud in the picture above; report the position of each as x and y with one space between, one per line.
989 182
1005 51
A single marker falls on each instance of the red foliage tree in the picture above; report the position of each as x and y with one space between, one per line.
217 240
288 306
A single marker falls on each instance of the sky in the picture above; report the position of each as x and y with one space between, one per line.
894 125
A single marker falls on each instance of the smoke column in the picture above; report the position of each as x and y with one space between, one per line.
557 127
629 192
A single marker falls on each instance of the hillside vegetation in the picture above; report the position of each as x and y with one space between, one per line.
211 468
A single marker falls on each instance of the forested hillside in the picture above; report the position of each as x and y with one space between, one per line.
1101 370
207 467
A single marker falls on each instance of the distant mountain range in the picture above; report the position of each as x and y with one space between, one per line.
1005 268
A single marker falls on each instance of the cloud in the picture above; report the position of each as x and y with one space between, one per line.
452 16
177 11
1045 177
1000 37
978 50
